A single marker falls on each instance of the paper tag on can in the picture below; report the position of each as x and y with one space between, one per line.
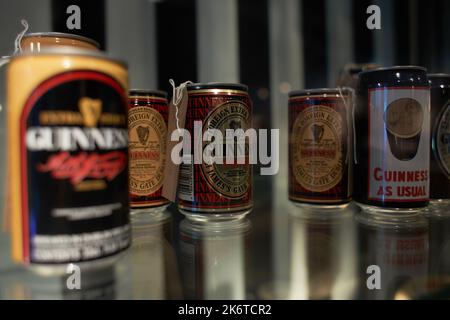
177 118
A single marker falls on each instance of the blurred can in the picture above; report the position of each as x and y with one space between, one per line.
440 138
218 190
147 128
68 156
392 139
348 76
320 147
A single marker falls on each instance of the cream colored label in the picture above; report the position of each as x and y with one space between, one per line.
317 148
147 139
229 180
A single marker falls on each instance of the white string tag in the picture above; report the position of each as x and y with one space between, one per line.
17 46
177 119
17 42
177 96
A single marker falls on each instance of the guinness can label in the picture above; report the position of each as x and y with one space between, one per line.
317 153
441 140
215 188
232 181
147 127
69 170
319 146
399 133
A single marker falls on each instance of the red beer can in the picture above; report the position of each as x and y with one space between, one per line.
216 191
147 130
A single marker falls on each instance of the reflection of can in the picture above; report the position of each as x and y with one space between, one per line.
35 42
440 137
322 254
68 148
213 259
147 127
392 252
392 139
320 146
217 190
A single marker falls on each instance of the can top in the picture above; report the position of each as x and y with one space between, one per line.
395 68
398 76
69 51
147 92
439 79
62 35
217 85
320 91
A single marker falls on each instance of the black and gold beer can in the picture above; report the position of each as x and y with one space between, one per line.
68 158
218 190
320 152
147 128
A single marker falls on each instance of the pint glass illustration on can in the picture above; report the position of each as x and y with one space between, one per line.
68 152
392 125
147 128
217 191
320 152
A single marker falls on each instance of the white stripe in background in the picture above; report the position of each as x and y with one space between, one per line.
217 40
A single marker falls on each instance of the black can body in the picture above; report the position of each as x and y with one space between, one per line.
440 136
392 138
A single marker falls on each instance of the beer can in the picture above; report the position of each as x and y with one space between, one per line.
147 127
37 41
392 137
440 139
320 151
68 148
216 191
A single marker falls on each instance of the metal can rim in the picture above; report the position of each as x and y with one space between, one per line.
307 92
62 35
217 86
438 75
147 92
394 68
64 51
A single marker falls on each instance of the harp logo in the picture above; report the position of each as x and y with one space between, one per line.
91 110
143 134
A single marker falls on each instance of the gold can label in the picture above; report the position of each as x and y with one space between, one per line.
147 146
230 180
317 153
